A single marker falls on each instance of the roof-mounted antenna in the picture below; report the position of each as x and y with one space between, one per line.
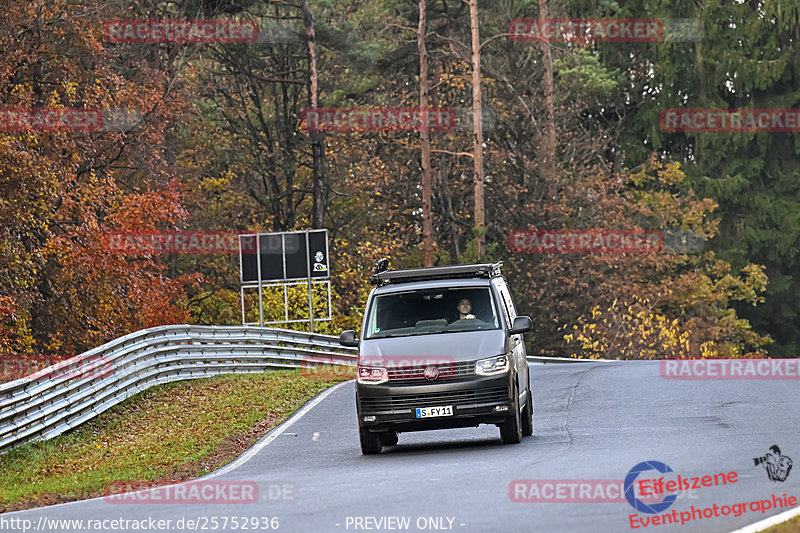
381 265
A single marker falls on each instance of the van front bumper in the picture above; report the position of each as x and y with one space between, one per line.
479 400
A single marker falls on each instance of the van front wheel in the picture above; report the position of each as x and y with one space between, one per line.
370 442
389 438
511 429
527 416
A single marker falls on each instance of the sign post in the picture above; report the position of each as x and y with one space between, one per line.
260 290
281 260
310 298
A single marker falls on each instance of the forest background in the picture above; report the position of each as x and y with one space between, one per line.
570 138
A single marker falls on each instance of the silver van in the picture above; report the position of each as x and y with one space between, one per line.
440 347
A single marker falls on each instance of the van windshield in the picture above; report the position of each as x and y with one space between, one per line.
422 312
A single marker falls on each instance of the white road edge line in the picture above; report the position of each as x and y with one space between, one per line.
761 525
242 459
274 434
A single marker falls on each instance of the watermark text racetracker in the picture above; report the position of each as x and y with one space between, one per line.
198 492
178 242
725 369
378 119
605 30
564 241
730 120
604 241
68 119
180 31
54 367
564 29
588 490
18 366
375 369
204 492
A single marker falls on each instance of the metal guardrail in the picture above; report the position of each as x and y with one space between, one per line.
71 392
560 360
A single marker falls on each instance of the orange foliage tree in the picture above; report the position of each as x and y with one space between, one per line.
63 191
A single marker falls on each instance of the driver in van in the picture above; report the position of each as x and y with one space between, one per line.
464 308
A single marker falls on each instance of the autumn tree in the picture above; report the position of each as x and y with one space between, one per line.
63 191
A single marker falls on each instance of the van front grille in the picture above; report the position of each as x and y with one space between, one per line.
433 399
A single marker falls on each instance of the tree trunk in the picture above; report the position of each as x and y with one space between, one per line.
549 148
442 167
477 121
317 137
425 139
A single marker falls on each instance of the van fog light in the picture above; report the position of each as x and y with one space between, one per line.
501 408
369 418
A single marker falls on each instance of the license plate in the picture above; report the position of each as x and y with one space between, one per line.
429 412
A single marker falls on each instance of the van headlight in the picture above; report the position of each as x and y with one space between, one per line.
372 375
492 366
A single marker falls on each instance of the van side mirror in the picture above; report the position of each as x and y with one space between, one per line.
348 338
521 325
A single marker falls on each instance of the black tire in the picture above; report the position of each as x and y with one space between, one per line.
370 442
389 438
511 429
527 416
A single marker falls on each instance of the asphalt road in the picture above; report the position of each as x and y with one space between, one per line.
593 421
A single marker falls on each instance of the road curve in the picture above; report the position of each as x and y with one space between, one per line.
592 421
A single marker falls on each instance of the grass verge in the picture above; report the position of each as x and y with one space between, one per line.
168 433
790 526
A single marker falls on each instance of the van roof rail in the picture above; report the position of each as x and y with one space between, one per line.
382 276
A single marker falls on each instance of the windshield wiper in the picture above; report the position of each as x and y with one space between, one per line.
388 335
418 333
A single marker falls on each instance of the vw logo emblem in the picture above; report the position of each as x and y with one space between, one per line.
431 373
